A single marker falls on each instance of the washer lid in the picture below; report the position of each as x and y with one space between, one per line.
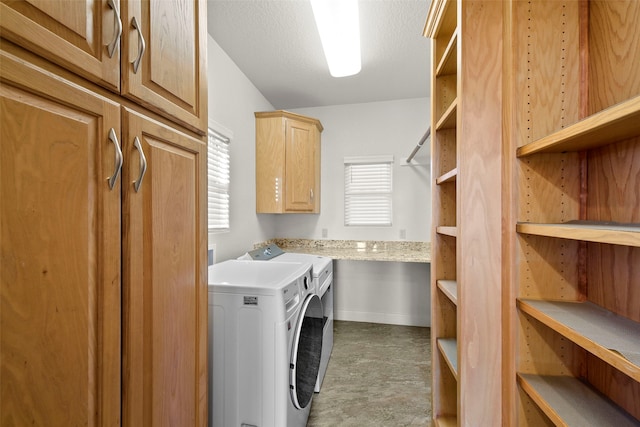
320 263
271 275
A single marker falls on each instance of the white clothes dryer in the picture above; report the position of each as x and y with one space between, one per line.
265 337
323 285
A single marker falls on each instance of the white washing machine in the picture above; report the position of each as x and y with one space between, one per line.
323 284
265 337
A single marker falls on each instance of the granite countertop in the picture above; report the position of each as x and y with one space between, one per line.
358 250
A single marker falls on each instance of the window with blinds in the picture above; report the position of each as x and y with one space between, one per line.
218 176
368 190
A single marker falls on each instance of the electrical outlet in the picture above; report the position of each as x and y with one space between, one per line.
403 234
325 233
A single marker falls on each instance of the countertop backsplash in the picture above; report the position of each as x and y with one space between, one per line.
358 250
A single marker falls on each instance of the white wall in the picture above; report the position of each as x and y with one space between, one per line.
232 101
392 127
382 292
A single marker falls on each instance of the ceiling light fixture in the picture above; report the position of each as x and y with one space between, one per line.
338 23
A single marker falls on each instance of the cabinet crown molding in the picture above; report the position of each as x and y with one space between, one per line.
290 115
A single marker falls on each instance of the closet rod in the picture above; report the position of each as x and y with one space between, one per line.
422 140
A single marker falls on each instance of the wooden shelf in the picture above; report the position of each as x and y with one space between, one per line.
446 421
447 177
442 19
589 231
450 289
448 119
614 339
447 230
610 125
449 349
567 401
449 61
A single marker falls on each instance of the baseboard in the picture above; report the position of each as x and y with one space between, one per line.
388 318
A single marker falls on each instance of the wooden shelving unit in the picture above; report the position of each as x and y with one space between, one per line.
442 27
536 212
576 145
460 296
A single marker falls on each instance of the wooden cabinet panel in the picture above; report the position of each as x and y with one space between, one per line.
73 34
60 253
481 218
613 35
164 287
270 165
302 150
172 74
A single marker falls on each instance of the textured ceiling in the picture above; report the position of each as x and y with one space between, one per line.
276 44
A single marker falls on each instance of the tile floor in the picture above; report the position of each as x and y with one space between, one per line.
378 376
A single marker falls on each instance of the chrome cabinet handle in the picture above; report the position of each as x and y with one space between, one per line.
311 193
143 164
111 47
114 177
142 46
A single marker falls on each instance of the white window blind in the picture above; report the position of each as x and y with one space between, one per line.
218 177
368 190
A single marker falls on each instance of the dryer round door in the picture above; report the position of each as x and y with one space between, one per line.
306 352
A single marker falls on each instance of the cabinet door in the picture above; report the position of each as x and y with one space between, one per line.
60 253
270 171
164 276
73 34
300 166
171 76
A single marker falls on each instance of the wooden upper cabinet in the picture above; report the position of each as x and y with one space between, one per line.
60 252
287 163
170 40
101 40
74 34
164 275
